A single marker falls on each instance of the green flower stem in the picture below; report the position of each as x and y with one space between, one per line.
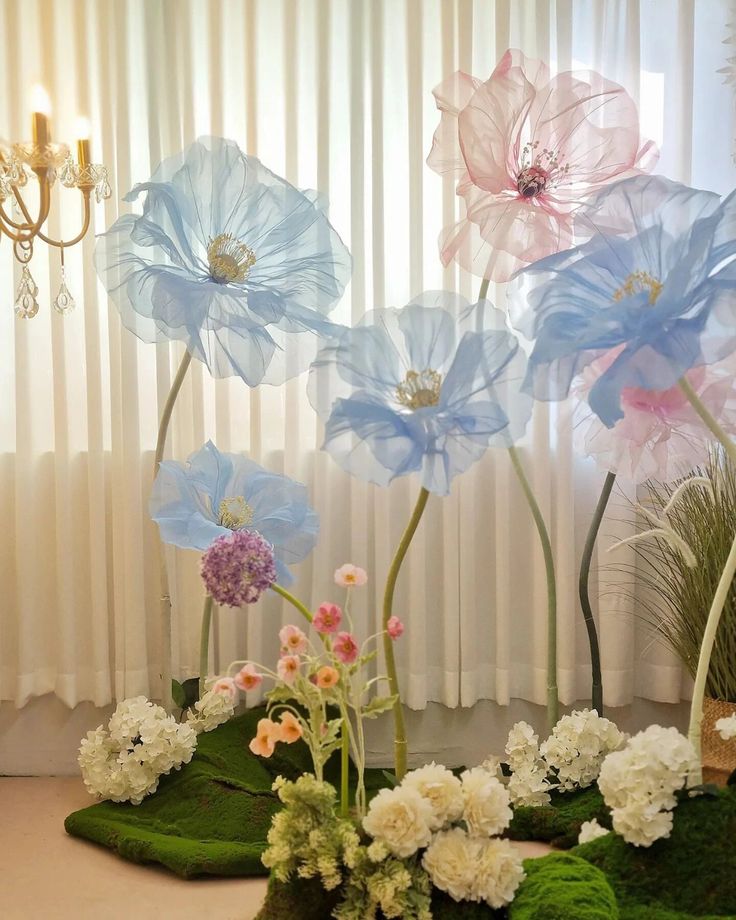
724 585
165 601
400 742
483 290
345 768
583 588
553 702
204 644
295 602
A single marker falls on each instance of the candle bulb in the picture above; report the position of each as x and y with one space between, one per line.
41 132
84 156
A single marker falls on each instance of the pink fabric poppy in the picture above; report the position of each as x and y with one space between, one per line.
345 647
660 436
293 641
226 687
248 678
394 627
526 149
350 576
328 618
288 668
268 734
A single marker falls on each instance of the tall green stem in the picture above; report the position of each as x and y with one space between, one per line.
583 588
483 290
204 644
722 591
553 702
165 601
400 743
294 601
345 768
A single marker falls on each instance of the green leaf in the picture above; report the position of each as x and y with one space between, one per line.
378 705
191 691
391 778
177 694
364 659
280 694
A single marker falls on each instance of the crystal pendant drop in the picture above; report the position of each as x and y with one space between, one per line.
64 302
26 305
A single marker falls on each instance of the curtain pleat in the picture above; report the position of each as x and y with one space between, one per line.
335 95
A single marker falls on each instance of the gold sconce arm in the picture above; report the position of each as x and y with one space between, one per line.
29 230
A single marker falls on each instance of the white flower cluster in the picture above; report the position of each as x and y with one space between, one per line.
726 727
215 707
465 861
569 759
577 747
639 783
591 830
141 743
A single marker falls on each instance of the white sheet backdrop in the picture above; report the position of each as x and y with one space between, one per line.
334 95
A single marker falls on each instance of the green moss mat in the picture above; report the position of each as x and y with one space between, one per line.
690 874
559 823
211 817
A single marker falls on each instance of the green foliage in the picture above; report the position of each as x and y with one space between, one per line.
559 822
561 886
677 598
378 705
690 874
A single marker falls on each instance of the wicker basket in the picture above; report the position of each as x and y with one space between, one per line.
719 756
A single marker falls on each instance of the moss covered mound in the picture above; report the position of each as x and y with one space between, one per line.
561 886
211 817
690 874
559 822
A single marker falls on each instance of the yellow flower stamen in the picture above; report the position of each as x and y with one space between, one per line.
235 513
636 283
420 389
229 259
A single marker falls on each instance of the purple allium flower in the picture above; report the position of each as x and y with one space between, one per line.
238 568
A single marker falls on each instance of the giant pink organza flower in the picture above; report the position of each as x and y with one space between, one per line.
527 149
660 436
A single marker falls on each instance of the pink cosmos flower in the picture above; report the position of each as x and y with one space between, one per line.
288 668
293 641
328 618
345 647
395 627
660 436
327 677
350 576
226 686
248 678
291 728
526 149
268 734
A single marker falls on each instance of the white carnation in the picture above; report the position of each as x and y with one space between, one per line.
212 710
639 783
577 747
472 868
591 830
487 808
400 818
726 727
141 743
442 789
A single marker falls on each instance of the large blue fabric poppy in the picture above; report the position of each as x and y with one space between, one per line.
229 258
426 388
213 493
658 278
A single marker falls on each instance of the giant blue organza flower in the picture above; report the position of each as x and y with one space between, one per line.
229 258
656 282
213 493
422 389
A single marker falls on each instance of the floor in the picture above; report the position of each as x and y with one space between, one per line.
45 873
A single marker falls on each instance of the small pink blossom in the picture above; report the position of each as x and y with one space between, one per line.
526 148
345 647
328 618
293 641
395 627
327 677
291 728
288 668
350 576
225 686
268 734
248 678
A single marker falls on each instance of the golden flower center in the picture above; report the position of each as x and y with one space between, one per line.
637 282
420 389
235 513
229 259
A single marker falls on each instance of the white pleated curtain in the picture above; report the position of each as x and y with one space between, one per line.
335 96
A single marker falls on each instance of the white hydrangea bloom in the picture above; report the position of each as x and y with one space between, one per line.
487 806
522 745
400 818
215 708
639 783
591 830
442 789
528 784
726 727
141 743
493 765
473 868
577 747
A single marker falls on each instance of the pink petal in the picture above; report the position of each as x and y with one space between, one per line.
452 95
